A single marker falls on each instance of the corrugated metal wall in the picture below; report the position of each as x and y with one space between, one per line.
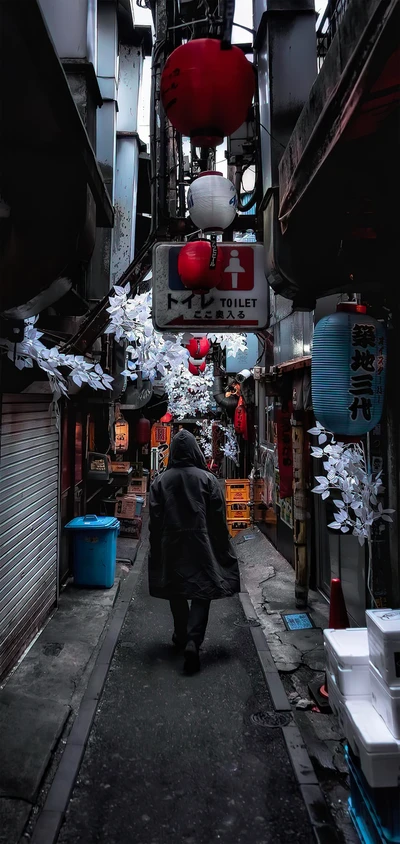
29 521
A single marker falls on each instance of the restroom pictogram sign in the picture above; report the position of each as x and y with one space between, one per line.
239 303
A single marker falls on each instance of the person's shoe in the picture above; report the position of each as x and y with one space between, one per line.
192 658
179 644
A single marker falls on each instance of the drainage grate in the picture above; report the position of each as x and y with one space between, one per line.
297 621
271 719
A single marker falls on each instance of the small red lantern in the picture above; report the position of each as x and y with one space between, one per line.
200 265
197 368
143 431
166 418
198 347
206 91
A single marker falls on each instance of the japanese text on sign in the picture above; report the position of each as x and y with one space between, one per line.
239 303
367 359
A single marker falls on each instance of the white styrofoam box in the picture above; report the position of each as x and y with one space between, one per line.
386 701
337 702
371 740
347 659
384 643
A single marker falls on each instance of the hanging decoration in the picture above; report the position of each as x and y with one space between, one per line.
198 347
212 202
200 265
32 351
150 353
348 370
285 451
143 431
240 419
167 418
216 439
188 396
196 367
121 432
207 91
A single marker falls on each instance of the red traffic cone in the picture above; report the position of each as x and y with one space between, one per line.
338 618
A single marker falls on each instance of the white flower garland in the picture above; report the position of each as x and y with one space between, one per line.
230 449
31 350
347 472
189 395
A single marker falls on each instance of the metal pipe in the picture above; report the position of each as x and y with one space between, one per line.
228 403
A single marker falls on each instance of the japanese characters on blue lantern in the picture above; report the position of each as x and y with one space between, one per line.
348 371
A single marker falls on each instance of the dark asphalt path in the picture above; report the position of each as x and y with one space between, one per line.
176 760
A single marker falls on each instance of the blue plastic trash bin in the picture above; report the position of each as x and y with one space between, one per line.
95 550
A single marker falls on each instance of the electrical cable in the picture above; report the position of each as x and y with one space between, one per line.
271 136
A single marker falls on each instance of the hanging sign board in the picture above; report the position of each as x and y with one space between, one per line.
160 443
239 304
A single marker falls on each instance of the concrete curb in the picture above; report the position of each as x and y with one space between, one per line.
52 815
318 811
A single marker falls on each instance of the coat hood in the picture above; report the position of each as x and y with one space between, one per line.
185 452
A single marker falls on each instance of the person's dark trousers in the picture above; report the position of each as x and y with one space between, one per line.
190 625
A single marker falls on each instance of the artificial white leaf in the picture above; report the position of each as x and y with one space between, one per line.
325 494
334 525
322 439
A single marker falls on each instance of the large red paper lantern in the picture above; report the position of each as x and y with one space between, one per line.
206 92
143 431
198 347
197 368
195 266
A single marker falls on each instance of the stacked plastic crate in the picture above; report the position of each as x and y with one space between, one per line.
364 691
238 497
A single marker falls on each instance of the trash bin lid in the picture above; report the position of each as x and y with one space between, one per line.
92 522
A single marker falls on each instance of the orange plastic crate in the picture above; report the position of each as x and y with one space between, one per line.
237 490
238 510
236 525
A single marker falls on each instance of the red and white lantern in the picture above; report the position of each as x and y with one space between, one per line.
200 265
196 367
198 347
212 202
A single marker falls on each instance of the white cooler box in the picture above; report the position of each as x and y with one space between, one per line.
337 702
347 660
384 643
373 743
386 701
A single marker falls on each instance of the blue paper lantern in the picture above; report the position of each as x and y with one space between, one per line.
348 371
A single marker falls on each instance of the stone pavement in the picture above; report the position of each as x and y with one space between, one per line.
299 658
39 700
190 760
154 757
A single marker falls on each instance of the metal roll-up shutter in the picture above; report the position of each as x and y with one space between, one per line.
29 521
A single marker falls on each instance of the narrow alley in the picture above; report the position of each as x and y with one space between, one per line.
172 758
199 422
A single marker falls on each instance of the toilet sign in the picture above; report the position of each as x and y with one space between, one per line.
240 303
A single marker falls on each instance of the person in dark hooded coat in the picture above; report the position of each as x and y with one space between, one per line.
191 556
